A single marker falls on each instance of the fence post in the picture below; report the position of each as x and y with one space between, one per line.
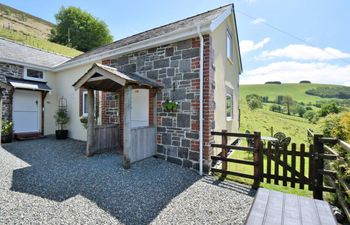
318 165
224 153
258 160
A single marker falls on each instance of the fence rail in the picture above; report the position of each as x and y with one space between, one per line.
282 164
334 175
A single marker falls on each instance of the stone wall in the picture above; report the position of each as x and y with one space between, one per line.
177 67
11 71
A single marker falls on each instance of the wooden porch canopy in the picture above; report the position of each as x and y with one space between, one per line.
105 78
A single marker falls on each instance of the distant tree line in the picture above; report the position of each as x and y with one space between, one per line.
286 105
341 92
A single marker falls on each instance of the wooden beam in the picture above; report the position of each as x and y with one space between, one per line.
127 127
91 123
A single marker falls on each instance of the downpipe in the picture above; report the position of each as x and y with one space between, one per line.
201 53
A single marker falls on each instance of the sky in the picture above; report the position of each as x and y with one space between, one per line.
280 40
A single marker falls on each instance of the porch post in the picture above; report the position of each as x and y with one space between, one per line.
127 127
91 123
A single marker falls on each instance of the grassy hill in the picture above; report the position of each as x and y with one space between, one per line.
22 27
263 119
297 91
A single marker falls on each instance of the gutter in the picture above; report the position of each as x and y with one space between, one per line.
201 100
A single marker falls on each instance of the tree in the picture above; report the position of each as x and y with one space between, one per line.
254 101
328 109
288 101
276 108
79 29
311 116
254 104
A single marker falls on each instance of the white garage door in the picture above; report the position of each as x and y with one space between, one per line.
26 111
139 108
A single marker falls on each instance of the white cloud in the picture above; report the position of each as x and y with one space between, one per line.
293 72
258 21
305 52
249 45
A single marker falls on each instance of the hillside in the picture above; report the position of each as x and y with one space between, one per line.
263 119
22 27
297 91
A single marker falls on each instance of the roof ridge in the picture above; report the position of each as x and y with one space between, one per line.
231 4
29 46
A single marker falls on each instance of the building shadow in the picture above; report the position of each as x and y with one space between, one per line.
59 170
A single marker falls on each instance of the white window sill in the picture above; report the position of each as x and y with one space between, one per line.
228 118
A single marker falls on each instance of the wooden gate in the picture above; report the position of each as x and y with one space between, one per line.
294 166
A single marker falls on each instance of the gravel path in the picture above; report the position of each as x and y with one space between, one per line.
51 182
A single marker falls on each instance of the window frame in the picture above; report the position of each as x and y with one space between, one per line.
85 93
33 78
229 46
229 118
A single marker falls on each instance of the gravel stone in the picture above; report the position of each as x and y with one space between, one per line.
50 181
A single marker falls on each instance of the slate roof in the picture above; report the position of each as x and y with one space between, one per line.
28 84
10 50
130 78
202 18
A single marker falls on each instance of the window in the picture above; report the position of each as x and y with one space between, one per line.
229 107
33 74
86 103
229 47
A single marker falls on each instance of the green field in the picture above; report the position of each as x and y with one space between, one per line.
263 119
297 91
36 42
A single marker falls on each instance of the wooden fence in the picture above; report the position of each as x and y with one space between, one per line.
143 143
281 164
325 147
106 138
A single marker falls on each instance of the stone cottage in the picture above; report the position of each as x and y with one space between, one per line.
194 62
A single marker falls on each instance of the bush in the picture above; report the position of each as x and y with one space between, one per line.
308 108
336 125
300 110
273 82
328 109
311 116
276 108
253 96
254 104
7 127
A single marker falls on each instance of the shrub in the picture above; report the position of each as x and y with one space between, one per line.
331 126
276 108
253 96
7 127
311 116
328 109
300 110
308 108
254 104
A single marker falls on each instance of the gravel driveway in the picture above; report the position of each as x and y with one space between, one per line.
51 182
